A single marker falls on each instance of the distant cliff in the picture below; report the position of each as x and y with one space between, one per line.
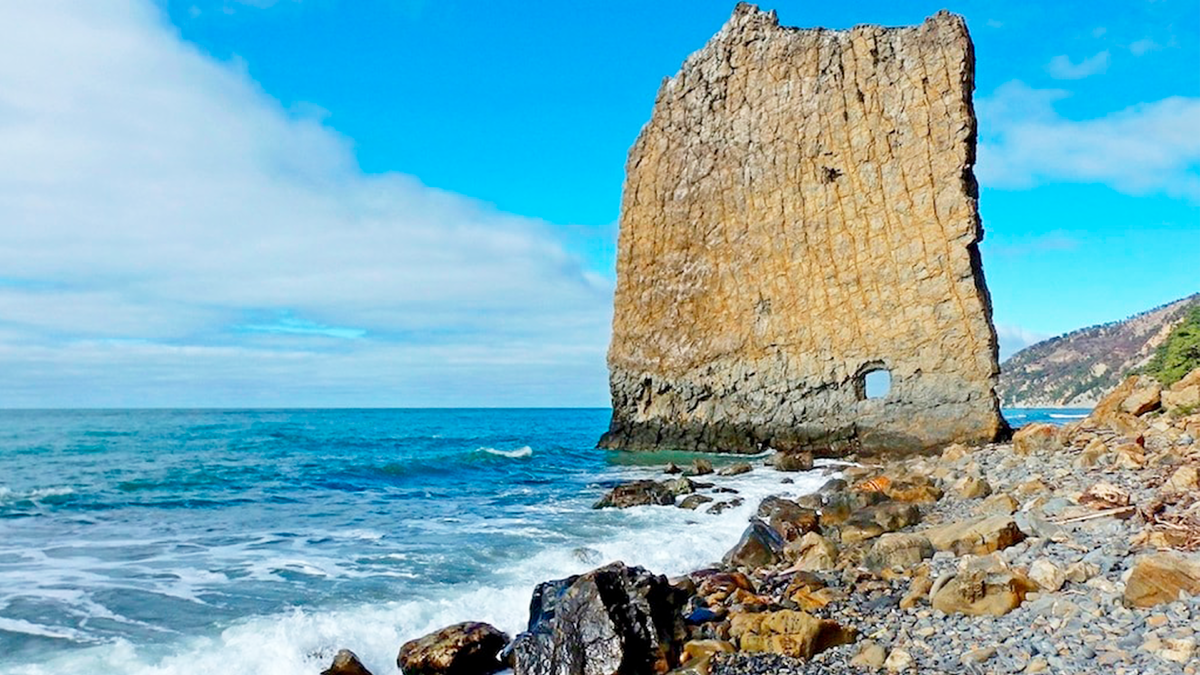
1076 369
799 214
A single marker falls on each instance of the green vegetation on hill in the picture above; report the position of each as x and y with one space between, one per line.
1180 354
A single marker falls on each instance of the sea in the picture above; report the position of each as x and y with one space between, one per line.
216 541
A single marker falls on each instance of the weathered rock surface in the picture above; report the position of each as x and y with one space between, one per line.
615 620
470 648
898 550
982 585
1034 439
800 211
637 493
1160 578
977 536
788 632
346 662
759 546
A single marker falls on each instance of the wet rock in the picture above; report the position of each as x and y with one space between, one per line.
612 620
788 518
470 648
981 585
792 461
345 662
898 550
636 493
672 468
721 507
736 469
978 537
680 486
787 632
1160 578
759 546
701 467
812 553
1039 438
693 502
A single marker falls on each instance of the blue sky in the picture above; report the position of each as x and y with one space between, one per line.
370 203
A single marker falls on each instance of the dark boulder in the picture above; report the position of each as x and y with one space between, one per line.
345 662
615 620
636 493
760 546
788 518
470 648
792 461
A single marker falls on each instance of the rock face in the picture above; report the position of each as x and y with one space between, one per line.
470 648
615 620
799 212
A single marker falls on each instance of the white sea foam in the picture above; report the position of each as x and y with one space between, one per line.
1063 416
519 453
301 642
9 495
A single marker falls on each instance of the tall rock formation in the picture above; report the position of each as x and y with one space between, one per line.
800 211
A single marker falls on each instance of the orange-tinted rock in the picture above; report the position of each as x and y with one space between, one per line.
787 632
1035 439
1160 578
793 219
469 648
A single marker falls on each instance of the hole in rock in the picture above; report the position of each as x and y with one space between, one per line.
877 383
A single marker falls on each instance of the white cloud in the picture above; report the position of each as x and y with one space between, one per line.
1150 148
1013 339
1061 67
1143 46
154 203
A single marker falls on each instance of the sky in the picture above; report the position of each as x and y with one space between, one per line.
371 203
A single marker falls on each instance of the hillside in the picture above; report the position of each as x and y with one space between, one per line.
1074 370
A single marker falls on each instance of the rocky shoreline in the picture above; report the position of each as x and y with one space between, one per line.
1068 550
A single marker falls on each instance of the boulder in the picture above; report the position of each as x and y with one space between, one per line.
693 502
787 632
973 487
792 461
1183 479
913 490
470 648
636 493
812 553
998 504
899 661
1110 412
1047 575
345 662
760 546
979 537
680 486
1184 395
870 656
788 518
1160 578
735 469
1035 439
981 585
701 467
615 620
898 550
1143 399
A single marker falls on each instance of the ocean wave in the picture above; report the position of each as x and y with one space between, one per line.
519 453
1059 416
10 495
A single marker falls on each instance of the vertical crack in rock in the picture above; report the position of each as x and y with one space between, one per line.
801 209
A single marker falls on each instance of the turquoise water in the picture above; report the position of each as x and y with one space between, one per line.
199 541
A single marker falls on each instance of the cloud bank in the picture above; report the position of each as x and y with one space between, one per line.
1150 148
170 235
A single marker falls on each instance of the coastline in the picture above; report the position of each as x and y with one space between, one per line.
1011 562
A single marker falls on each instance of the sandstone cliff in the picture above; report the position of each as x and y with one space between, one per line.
1077 369
799 211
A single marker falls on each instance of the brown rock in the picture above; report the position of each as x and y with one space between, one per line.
787 632
1091 453
760 546
1160 578
1184 394
973 487
812 553
1104 496
792 461
982 585
870 656
1002 504
735 469
636 493
915 491
1035 439
1145 398
976 536
788 518
700 467
918 589
1110 413
700 649
898 550
345 662
1184 478
469 648
789 226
